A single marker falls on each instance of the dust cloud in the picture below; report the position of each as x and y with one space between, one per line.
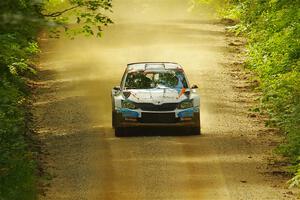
73 112
143 31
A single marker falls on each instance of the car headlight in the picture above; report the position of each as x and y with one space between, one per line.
128 104
185 104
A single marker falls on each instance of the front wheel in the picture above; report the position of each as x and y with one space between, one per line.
120 132
113 119
194 131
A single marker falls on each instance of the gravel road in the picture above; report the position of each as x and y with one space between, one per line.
73 114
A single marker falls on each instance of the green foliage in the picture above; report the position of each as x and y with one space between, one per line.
17 45
272 28
20 22
295 182
18 29
14 53
17 167
78 16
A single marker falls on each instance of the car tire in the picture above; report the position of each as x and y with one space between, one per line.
113 119
195 131
120 132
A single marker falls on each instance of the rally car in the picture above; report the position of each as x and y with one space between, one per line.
155 94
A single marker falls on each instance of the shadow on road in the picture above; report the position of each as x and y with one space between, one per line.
157 131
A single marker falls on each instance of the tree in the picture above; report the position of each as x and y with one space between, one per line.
272 30
77 16
20 22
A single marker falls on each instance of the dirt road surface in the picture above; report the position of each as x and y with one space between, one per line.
73 114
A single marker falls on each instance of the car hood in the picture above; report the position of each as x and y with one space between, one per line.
156 96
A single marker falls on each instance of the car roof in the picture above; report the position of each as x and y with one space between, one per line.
142 66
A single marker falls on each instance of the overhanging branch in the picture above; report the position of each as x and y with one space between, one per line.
58 13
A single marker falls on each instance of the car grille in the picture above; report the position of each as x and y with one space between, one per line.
158 118
153 107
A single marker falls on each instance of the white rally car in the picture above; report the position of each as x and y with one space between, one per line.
155 94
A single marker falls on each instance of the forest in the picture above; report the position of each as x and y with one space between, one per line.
21 21
271 28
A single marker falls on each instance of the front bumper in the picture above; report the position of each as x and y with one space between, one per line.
138 124
186 118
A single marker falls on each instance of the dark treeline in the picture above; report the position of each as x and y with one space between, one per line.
18 30
20 23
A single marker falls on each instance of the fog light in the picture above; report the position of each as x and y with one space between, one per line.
130 119
186 118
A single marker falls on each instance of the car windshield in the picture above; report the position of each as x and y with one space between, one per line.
156 79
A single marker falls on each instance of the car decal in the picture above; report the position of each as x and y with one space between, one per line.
128 113
182 91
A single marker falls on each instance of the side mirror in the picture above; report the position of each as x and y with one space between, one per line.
117 88
194 87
